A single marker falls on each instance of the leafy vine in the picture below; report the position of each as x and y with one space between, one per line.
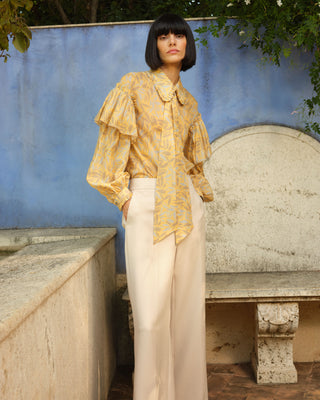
276 28
13 25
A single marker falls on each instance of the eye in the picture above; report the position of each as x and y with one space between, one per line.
180 35
162 37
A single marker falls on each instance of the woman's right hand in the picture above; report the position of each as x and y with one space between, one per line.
125 208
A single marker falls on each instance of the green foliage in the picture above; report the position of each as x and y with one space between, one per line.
276 28
46 12
12 25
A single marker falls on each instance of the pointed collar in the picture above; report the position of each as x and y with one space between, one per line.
166 88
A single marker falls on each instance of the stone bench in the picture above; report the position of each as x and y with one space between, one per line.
263 236
277 296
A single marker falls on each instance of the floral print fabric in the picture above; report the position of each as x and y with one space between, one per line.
152 128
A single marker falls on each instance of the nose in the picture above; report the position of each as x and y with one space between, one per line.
172 39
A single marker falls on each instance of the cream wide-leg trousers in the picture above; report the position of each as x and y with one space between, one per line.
166 284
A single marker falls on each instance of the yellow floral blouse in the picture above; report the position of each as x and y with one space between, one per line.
150 128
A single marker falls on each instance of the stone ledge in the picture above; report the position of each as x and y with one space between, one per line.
49 257
16 239
263 286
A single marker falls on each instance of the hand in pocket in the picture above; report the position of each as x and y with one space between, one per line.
125 208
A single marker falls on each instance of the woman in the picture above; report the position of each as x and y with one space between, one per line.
152 135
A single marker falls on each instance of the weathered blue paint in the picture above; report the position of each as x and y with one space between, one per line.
50 95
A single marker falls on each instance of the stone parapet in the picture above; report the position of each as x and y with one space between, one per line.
56 314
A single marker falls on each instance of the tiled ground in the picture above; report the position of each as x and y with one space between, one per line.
236 382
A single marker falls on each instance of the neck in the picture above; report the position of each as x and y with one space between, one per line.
172 71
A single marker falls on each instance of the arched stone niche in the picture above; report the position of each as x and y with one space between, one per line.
266 212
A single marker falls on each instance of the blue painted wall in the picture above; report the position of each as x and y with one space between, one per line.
50 95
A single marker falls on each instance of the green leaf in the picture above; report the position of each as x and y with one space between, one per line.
17 3
29 5
4 42
21 42
286 52
26 31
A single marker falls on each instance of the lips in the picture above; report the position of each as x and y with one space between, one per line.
173 51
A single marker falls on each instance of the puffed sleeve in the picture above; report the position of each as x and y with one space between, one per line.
107 172
197 150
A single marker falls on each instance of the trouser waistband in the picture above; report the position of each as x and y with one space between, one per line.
143 183
147 183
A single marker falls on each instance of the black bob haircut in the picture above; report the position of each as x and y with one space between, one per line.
162 26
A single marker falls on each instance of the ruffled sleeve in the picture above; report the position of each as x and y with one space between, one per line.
107 172
197 151
118 112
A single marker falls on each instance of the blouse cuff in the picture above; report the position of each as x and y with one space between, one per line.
201 149
118 111
202 187
122 197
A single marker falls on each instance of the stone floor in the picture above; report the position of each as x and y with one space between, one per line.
236 382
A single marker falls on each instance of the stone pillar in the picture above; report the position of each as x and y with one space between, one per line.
276 324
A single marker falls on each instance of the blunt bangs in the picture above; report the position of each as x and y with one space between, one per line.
170 23
162 26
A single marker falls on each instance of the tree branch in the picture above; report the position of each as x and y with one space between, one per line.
94 8
63 15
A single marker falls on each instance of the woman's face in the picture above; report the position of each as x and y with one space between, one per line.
172 48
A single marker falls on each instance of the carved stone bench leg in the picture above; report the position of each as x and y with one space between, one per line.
276 324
